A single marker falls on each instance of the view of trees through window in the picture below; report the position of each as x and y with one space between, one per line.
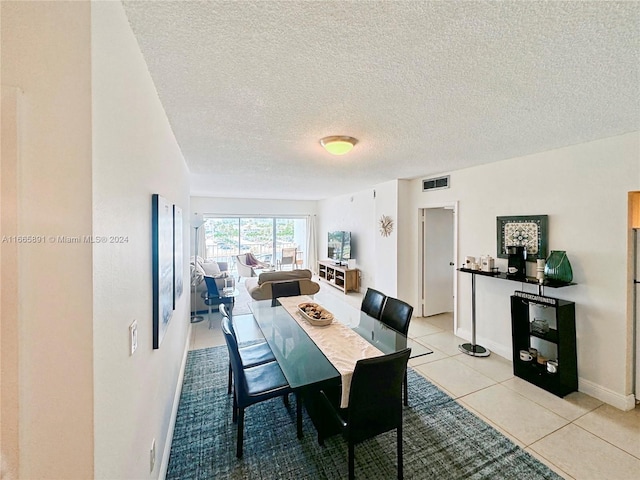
265 237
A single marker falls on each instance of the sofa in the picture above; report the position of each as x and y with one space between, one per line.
260 287
217 270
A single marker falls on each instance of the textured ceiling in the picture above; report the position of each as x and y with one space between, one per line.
427 87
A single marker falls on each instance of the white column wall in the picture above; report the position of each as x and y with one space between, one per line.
46 53
386 248
135 155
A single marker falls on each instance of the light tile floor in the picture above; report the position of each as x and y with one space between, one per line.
577 436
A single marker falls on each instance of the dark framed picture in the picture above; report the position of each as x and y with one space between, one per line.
529 231
178 281
162 258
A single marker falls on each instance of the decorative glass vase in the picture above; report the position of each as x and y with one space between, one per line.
558 269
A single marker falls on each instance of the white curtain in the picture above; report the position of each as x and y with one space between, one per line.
312 247
202 244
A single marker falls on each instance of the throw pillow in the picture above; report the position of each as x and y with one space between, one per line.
197 275
211 269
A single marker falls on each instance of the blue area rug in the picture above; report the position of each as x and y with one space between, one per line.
442 440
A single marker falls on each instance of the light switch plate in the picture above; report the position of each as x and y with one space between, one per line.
133 337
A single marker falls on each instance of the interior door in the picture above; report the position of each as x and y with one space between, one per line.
438 257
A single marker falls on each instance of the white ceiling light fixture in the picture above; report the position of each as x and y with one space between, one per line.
338 145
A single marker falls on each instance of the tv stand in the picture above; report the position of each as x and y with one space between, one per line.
341 277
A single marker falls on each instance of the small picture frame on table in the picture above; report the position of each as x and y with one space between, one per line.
530 231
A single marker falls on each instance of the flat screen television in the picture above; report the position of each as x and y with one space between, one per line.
339 247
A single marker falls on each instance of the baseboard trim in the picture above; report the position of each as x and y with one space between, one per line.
622 402
162 473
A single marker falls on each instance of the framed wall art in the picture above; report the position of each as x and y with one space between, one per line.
529 231
162 259
178 264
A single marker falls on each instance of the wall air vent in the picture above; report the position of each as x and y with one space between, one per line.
435 183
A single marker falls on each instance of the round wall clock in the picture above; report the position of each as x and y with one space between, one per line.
386 225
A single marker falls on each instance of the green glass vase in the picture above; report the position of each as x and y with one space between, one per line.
558 269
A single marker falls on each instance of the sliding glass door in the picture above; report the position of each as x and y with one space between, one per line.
265 237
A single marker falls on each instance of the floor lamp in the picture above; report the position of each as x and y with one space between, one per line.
196 223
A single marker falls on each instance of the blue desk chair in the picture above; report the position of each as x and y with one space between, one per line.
253 385
212 296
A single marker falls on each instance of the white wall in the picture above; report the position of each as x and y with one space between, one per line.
94 145
386 248
46 53
407 218
251 206
583 189
9 306
353 213
134 155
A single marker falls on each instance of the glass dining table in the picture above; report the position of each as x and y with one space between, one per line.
304 365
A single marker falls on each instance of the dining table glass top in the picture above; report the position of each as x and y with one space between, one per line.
300 359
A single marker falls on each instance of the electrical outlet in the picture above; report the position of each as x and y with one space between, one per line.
152 455
133 337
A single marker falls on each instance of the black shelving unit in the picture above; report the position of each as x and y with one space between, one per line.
563 336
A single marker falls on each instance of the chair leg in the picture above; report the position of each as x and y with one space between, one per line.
400 463
406 391
285 400
352 474
299 415
230 380
240 432
235 409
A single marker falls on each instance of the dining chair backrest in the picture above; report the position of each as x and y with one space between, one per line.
373 302
375 397
396 314
222 308
234 357
284 289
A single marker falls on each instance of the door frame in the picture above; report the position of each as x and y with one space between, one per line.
422 233
633 313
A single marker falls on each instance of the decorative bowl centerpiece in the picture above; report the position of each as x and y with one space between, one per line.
315 314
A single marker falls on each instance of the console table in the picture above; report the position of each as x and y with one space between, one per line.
478 350
343 278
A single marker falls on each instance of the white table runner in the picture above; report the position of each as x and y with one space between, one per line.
341 345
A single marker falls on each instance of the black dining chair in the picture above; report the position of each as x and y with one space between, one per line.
245 326
284 289
212 296
250 355
253 384
375 403
397 315
373 302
